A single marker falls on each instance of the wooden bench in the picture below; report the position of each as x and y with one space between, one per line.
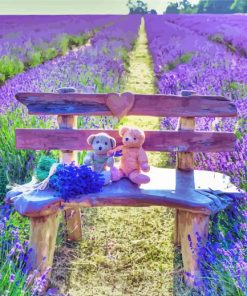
194 194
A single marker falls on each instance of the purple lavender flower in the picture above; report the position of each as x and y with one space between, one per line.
12 278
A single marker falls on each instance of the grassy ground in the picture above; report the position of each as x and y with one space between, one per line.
124 251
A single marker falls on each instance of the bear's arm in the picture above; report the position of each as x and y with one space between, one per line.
143 160
110 161
115 149
88 159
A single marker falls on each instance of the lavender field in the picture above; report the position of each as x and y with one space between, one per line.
125 251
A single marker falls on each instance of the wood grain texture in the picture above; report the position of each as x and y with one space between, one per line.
194 227
185 160
45 139
120 105
72 217
43 233
150 105
189 191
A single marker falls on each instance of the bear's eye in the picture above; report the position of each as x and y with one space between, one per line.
97 142
106 143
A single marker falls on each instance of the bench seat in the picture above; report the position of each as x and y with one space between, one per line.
197 191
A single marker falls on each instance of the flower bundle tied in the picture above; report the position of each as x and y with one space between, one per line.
69 181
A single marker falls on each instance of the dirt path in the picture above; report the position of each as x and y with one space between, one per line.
141 79
124 251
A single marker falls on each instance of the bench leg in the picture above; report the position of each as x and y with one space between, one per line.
43 234
73 224
193 225
177 240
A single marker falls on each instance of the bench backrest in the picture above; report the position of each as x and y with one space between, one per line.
68 105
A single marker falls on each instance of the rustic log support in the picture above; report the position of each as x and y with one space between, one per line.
193 233
72 216
43 234
185 160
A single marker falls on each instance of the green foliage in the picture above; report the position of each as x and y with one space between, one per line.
63 44
75 41
17 165
172 8
9 66
124 55
34 58
137 7
67 42
13 245
153 11
43 167
239 6
208 6
49 53
180 6
220 39
215 6
183 59
3 179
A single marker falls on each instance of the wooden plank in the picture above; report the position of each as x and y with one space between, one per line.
47 139
150 105
168 187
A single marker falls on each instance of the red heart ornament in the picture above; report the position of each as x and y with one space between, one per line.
120 104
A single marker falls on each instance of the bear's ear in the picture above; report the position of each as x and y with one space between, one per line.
90 139
123 130
142 133
113 142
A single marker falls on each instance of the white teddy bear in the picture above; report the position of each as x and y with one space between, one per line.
98 158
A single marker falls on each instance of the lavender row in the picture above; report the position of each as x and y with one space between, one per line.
227 29
20 34
30 41
95 68
188 54
185 60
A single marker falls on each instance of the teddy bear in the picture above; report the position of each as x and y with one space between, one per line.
99 159
134 159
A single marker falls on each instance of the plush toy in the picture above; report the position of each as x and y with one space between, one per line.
99 159
134 158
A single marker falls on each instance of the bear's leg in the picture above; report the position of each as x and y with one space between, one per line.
138 178
107 177
116 174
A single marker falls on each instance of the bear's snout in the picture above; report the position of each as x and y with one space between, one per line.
100 148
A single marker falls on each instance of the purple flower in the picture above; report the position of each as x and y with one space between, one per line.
12 278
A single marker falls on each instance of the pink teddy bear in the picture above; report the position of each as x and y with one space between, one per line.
134 158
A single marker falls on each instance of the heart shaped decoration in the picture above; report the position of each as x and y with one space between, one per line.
120 104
